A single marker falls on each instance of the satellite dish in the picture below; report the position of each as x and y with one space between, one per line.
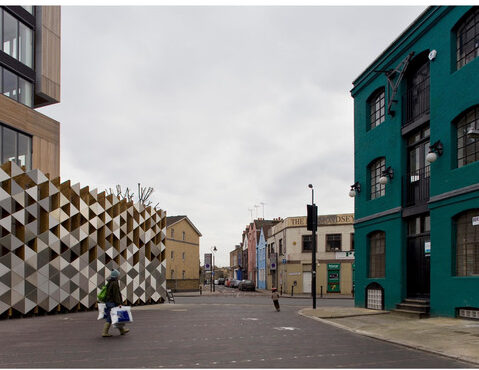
432 55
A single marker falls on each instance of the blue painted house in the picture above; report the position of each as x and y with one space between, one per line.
261 261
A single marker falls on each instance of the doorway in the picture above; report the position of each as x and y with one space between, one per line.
418 257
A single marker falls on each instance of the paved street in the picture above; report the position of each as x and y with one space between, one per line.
222 331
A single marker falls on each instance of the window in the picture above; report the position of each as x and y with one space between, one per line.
184 235
28 8
377 110
467 39
172 274
172 254
16 147
15 87
467 147
183 274
375 170
467 244
172 233
352 241
10 34
333 242
183 256
17 39
307 243
281 246
377 261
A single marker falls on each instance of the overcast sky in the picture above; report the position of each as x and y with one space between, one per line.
218 108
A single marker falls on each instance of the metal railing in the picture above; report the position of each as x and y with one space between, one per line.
417 186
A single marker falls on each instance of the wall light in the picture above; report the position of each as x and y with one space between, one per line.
355 189
435 150
387 173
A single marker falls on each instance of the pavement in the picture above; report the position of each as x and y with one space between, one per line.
452 337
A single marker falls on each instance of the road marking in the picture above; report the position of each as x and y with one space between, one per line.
249 318
179 310
286 328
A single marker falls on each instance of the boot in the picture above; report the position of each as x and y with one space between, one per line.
106 327
122 329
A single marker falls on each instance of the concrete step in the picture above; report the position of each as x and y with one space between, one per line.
418 301
413 307
410 313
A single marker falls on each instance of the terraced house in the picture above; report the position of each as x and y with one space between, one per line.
416 130
182 254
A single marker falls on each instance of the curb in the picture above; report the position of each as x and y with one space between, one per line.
389 340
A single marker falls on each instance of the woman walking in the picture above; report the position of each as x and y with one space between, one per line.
275 297
113 299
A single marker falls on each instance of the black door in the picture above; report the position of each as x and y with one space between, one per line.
418 266
418 256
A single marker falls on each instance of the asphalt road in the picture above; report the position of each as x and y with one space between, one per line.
229 331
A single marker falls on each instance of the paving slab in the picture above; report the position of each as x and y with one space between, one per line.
452 337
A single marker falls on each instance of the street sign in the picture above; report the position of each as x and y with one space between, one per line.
284 261
208 261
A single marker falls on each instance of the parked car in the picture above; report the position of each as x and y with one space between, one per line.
216 281
234 283
246 285
227 282
221 281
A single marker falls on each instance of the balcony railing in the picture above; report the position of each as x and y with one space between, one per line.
416 102
417 187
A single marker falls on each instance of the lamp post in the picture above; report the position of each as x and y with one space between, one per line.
212 284
312 226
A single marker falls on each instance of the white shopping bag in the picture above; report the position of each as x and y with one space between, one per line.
101 311
121 314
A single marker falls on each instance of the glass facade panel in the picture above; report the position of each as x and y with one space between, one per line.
25 92
25 151
10 84
10 35
9 145
28 8
26 45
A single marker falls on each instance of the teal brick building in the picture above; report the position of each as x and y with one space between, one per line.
416 137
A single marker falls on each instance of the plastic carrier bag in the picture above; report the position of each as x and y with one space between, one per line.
101 311
121 314
102 295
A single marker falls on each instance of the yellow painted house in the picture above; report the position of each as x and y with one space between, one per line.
182 254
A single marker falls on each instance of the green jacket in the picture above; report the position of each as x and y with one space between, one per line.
113 292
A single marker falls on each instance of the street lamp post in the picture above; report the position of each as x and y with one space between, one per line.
312 225
212 283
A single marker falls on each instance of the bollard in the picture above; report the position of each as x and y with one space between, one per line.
292 290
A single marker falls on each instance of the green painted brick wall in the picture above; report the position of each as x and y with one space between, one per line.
451 93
